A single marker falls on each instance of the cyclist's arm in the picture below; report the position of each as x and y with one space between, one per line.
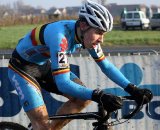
107 67
61 70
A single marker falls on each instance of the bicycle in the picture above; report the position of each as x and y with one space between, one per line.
102 117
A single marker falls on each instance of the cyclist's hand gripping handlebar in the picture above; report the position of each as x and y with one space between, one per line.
109 102
139 94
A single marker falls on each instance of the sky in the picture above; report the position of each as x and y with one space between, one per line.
67 3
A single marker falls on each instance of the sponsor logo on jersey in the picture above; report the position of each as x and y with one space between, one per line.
64 44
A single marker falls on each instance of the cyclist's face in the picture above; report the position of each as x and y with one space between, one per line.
93 37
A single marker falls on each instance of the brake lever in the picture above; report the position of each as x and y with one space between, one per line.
128 116
147 109
136 110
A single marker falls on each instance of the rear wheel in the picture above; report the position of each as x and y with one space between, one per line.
142 27
153 28
11 126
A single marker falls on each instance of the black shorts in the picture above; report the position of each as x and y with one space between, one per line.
39 74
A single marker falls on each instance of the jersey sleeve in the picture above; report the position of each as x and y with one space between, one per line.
61 69
107 67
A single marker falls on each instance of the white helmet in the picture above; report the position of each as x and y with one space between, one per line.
96 15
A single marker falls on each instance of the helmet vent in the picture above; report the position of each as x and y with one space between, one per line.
97 14
88 11
93 21
103 23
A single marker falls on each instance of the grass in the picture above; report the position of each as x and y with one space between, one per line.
132 38
10 36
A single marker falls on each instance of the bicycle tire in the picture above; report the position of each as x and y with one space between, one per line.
103 128
11 126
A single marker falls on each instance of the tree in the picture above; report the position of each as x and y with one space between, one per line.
5 9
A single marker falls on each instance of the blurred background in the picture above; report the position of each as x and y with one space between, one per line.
139 29
28 11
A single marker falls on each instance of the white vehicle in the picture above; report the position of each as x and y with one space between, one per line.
133 19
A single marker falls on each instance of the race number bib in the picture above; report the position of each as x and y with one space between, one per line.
62 60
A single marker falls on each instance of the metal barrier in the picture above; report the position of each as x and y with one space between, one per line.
143 70
6 54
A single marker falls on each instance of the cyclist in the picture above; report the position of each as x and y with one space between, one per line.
40 61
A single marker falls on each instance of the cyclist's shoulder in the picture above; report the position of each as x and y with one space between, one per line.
62 24
60 31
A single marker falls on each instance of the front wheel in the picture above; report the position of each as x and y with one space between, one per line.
11 126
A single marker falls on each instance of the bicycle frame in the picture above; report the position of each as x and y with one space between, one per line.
101 116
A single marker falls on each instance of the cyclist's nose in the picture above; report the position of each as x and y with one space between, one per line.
100 39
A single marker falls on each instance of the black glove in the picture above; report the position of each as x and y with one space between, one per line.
139 94
108 101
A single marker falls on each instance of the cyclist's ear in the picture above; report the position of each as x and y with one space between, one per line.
83 25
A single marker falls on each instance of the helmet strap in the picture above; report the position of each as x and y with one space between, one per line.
80 38
82 35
